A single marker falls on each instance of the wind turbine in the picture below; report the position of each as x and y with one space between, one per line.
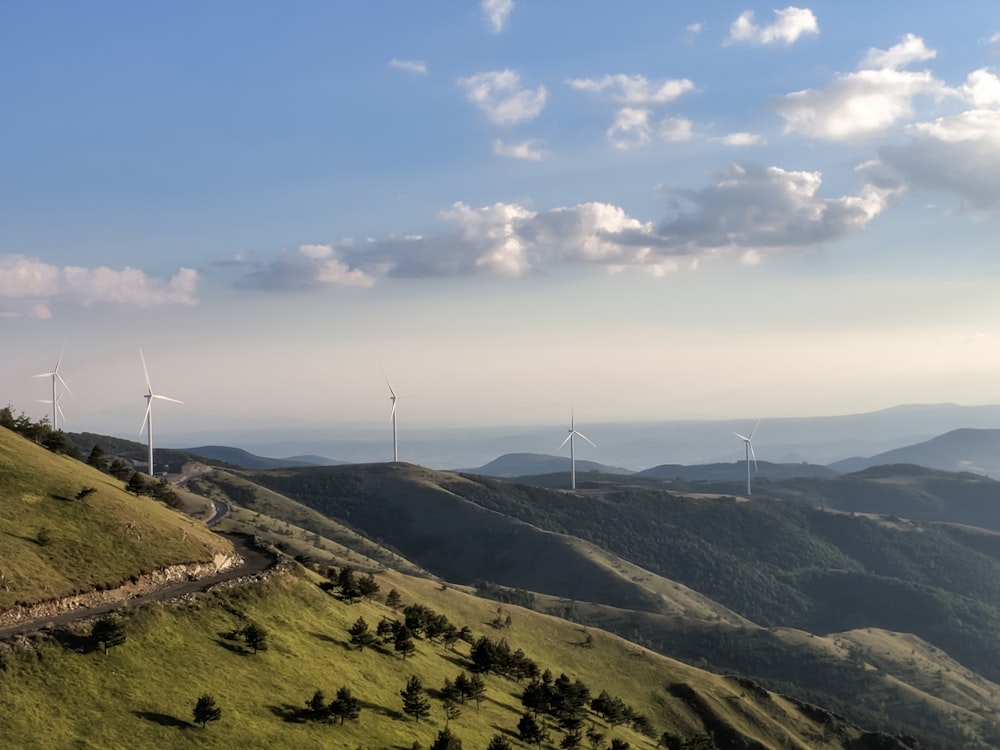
573 432
147 422
56 410
392 418
748 444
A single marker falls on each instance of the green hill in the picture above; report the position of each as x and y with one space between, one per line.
54 545
783 566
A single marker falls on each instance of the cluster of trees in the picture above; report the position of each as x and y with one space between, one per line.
135 482
496 657
344 707
349 586
40 432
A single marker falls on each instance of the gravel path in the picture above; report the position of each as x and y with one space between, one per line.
255 561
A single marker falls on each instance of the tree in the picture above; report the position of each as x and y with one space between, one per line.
619 744
345 706
361 636
136 484
255 637
205 710
571 740
530 731
85 493
403 642
477 689
385 630
446 741
393 600
110 631
499 742
595 737
97 459
316 707
415 703
451 710
368 587
120 470
349 590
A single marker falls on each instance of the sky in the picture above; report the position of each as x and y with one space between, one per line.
510 209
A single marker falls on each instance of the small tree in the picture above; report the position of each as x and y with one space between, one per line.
393 600
255 637
451 710
345 706
120 470
477 689
403 642
446 741
97 459
595 737
361 636
619 744
109 631
530 731
316 707
368 586
136 484
205 710
415 703
85 493
571 740
499 742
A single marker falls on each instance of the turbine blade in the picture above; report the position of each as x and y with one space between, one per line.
752 455
145 371
754 431
59 409
167 398
392 412
744 438
580 434
45 375
566 440
149 408
64 384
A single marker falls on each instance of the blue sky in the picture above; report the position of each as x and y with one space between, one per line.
655 210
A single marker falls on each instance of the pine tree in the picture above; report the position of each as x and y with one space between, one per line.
97 459
360 635
393 600
345 706
205 710
477 689
316 707
446 741
499 742
530 731
415 703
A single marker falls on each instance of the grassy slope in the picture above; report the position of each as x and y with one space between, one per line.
141 694
784 564
100 541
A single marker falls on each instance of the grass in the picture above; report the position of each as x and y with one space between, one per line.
141 694
52 545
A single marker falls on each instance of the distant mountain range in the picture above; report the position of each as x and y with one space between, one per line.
524 464
736 471
246 460
976 451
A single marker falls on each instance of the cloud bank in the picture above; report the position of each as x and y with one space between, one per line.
748 211
500 96
31 285
790 24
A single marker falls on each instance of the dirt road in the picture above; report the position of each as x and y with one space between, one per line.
254 561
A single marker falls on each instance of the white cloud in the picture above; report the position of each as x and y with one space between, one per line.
790 24
866 102
24 278
740 139
413 66
982 88
911 49
958 154
693 28
995 43
634 90
749 211
499 95
311 267
633 127
497 12
526 150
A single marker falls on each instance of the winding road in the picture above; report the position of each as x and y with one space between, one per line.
255 561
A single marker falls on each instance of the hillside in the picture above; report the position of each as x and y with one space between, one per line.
141 694
976 451
54 544
244 459
778 564
735 471
512 465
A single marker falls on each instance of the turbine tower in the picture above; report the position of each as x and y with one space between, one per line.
573 432
748 444
392 418
56 377
147 422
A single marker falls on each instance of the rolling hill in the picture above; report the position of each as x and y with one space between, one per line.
60 690
512 465
976 451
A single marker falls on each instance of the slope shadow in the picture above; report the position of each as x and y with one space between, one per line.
164 720
392 714
81 644
288 712
236 649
